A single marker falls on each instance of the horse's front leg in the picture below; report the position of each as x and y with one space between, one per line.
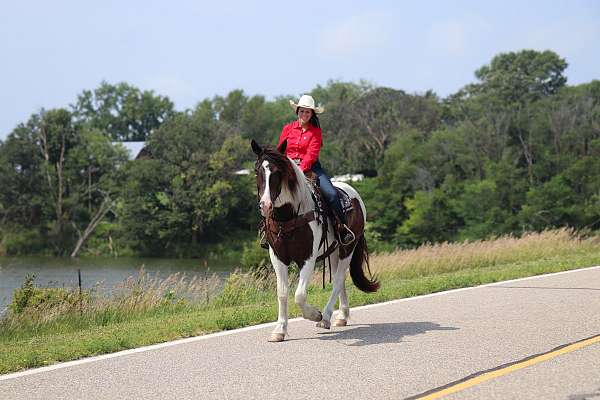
309 312
281 271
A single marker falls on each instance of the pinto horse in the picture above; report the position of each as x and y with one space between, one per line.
294 232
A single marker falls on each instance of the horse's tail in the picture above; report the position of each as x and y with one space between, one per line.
360 257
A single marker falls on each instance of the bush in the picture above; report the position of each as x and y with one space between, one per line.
23 242
256 260
31 298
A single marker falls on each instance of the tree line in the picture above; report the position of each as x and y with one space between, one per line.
514 151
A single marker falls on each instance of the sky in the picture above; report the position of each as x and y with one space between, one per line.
50 51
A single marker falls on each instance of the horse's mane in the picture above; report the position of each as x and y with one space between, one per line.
292 175
273 156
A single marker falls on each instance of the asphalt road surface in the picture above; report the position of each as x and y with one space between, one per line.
534 338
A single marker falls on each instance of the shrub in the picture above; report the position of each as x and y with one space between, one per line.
31 298
256 260
23 242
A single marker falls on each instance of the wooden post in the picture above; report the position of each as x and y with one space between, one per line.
80 299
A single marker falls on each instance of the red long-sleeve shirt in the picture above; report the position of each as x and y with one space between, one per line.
302 145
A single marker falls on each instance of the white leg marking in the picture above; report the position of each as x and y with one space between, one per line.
309 312
344 311
281 271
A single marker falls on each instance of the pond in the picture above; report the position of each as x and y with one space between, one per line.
102 272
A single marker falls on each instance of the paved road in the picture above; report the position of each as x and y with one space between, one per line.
391 351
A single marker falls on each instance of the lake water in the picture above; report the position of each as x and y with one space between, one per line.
108 272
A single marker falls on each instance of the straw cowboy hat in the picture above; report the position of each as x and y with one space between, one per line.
306 101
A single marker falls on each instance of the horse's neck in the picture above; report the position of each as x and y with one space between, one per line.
301 198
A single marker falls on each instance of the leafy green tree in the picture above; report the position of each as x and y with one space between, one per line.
431 217
523 76
571 198
56 174
197 195
479 207
153 223
22 196
123 112
229 108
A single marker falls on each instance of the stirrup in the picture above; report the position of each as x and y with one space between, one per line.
345 228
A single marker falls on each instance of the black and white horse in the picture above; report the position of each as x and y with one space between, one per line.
294 234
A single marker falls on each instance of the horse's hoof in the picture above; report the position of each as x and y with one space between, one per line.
276 337
340 322
324 324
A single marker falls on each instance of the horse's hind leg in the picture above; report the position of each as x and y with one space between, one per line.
339 276
343 313
309 312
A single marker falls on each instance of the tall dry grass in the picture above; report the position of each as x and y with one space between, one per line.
448 257
147 291
134 296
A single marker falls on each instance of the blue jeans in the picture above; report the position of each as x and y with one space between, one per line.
329 192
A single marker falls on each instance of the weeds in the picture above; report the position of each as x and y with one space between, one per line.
45 325
36 309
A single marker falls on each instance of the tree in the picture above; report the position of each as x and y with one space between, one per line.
229 109
571 198
524 76
57 136
479 207
23 197
122 112
188 191
56 177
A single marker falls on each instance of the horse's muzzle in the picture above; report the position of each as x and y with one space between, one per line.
265 208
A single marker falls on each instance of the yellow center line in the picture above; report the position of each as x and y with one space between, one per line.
486 376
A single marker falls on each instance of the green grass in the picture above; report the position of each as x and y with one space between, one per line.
144 317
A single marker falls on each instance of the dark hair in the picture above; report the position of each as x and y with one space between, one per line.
314 120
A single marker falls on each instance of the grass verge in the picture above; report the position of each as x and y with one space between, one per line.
151 312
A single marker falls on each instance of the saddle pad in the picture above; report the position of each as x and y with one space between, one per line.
320 205
345 200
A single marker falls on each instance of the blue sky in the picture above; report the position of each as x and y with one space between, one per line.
192 50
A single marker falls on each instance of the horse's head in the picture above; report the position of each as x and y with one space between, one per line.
274 174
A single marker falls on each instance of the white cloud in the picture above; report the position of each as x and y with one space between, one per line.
354 36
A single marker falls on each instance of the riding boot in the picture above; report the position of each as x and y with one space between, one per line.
262 231
345 235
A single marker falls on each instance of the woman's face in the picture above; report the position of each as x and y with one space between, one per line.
304 114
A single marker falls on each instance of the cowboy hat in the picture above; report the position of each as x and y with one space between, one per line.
306 101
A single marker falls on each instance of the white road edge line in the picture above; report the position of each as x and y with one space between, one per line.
255 327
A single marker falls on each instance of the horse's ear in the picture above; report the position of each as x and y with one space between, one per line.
256 148
282 147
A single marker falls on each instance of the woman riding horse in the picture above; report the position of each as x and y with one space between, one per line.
296 234
304 140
